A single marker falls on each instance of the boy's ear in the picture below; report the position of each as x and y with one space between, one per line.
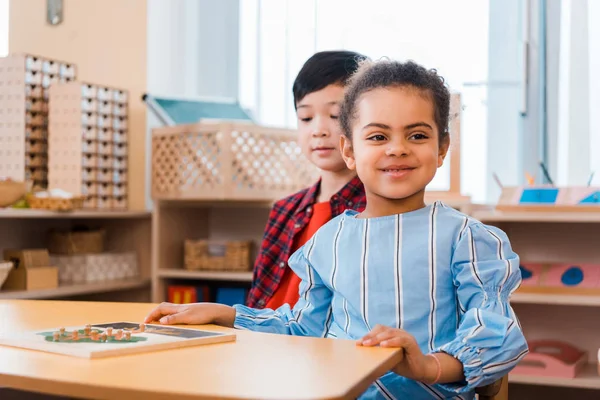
347 152
443 151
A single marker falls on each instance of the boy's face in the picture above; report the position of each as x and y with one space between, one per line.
319 129
395 146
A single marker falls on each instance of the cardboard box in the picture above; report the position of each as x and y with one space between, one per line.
31 270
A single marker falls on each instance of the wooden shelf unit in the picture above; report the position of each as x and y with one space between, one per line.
180 273
77 290
561 237
125 231
175 221
587 379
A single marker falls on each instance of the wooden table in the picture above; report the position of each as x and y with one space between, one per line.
256 365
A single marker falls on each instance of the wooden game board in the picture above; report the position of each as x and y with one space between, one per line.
112 339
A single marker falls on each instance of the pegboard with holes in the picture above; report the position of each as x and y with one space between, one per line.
227 161
24 83
83 156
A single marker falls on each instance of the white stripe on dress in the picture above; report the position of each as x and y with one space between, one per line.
310 280
398 270
336 253
364 276
432 276
508 266
473 259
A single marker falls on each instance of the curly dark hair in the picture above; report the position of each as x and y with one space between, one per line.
385 73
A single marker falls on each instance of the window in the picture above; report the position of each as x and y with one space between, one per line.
3 28
276 37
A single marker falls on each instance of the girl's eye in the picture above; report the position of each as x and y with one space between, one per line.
377 138
419 136
334 117
308 119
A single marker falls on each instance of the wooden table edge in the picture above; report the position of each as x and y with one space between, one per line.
86 390
368 380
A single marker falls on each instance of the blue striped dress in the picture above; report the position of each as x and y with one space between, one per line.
436 273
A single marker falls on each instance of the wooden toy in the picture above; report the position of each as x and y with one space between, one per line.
551 358
547 198
25 80
88 143
112 339
560 278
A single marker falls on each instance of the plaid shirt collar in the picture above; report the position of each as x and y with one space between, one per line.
351 190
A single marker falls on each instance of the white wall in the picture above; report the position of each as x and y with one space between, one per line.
594 87
574 95
505 93
3 28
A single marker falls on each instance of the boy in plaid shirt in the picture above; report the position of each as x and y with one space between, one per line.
318 92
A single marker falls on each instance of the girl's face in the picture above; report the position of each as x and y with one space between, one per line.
395 147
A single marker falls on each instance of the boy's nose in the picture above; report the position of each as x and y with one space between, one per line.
320 133
320 128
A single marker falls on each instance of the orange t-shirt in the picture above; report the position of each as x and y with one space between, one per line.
287 291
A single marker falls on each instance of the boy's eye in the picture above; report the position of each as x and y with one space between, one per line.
307 119
334 117
376 138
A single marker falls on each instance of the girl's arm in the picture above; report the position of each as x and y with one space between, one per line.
309 315
489 341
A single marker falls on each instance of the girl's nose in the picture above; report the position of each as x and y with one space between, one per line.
396 148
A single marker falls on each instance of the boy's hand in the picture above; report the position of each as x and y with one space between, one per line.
415 364
192 314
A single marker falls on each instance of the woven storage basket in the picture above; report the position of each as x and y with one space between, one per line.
81 242
55 203
217 256
227 161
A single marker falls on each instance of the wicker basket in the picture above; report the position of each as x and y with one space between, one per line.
55 203
217 256
227 161
82 242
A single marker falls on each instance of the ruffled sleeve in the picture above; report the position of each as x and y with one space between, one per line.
489 341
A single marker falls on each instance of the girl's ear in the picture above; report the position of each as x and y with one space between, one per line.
443 151
347 152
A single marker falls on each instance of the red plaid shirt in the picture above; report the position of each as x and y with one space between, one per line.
287 219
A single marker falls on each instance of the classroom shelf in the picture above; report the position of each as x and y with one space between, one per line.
567 217
206 275
588 379
557 299
88 214
126 231
75 290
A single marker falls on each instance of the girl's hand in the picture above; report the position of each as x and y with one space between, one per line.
192 314
415 364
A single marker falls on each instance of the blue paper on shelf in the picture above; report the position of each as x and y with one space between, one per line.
231 296
539 195
593 198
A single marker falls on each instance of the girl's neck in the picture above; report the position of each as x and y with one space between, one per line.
333 182
378 206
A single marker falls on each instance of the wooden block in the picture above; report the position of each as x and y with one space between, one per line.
82 156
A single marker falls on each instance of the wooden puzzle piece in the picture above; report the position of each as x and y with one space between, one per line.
96 335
